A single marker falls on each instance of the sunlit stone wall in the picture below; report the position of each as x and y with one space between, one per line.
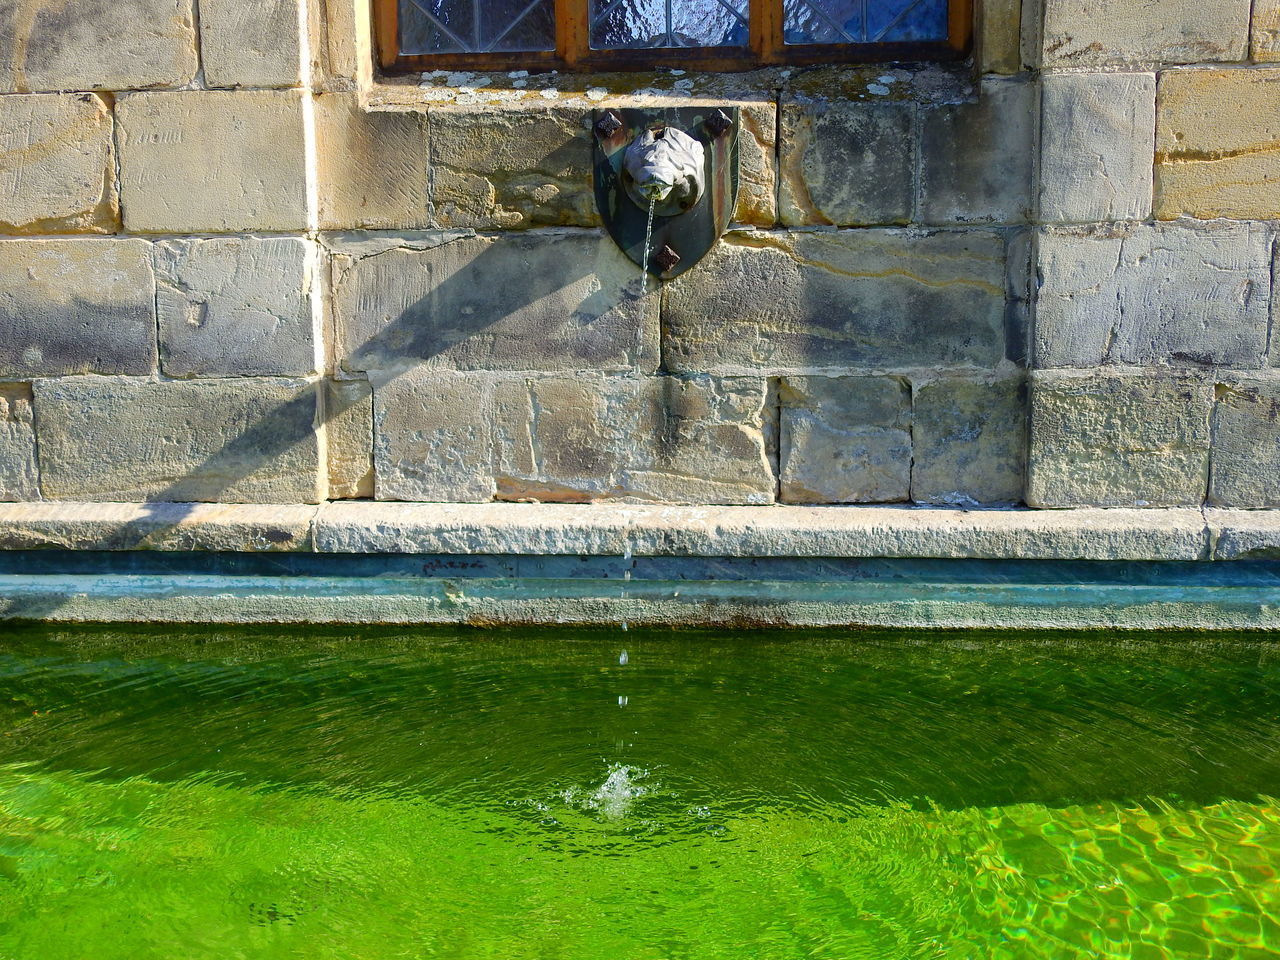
238 266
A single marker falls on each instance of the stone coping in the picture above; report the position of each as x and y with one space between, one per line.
645 530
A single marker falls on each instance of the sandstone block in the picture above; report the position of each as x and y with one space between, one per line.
1168 294
1085 33
249 440
348 423
250 44
844 439
976 158
865 298
235 306
970 440
847 162
18 475
1245 458
212 161
76 306
757 165
1118 439
433 436
1244 534
1218 144
1266 30
58 169
668 439
372 166
1097 143
999 37
511 169
521 301
122 45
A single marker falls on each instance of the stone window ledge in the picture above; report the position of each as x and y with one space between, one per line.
368 527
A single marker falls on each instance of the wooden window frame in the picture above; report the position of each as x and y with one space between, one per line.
765 46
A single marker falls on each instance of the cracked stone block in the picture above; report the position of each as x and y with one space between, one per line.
518 301
863 298
348 423
212 161
976 158
969 440
1097 144
18 475
1087 33
432 436
1118 439
235 306
512 169
58 174
757 167
844 440
1168 294
76 306
1266 30
120 45
1245 458
667 439
847 163
1218 144
248 440
250 44
449 436
372 170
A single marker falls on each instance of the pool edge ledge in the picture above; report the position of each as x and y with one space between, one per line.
1187 533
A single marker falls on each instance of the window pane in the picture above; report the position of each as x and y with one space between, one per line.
475 26
864 21
617 24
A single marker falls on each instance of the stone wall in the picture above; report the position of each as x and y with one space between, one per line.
237 266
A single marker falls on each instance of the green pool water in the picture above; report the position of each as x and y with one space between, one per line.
281 793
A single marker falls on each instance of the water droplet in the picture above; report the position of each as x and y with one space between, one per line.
623 659
622 701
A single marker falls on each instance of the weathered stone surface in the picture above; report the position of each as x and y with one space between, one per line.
372 168
1218 144
673 439
1118 439
1171 294
1266 30
76 306
866 298
235 306
1245 458
18 475
970 439
844 439
1107 32
117 45
1244 534
510 169
998 41
774 531
847 162
212 161
57 165
1097 143
523 301
757 165
250 44
433 436
348 424
248 440
241 527
976 159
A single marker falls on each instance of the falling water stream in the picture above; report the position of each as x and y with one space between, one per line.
648 237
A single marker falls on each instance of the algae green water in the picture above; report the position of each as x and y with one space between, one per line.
277 793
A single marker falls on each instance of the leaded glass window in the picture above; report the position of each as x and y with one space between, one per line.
647 34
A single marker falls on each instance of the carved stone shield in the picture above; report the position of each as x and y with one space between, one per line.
679 241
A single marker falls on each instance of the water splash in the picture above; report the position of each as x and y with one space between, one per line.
623 659
613 798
